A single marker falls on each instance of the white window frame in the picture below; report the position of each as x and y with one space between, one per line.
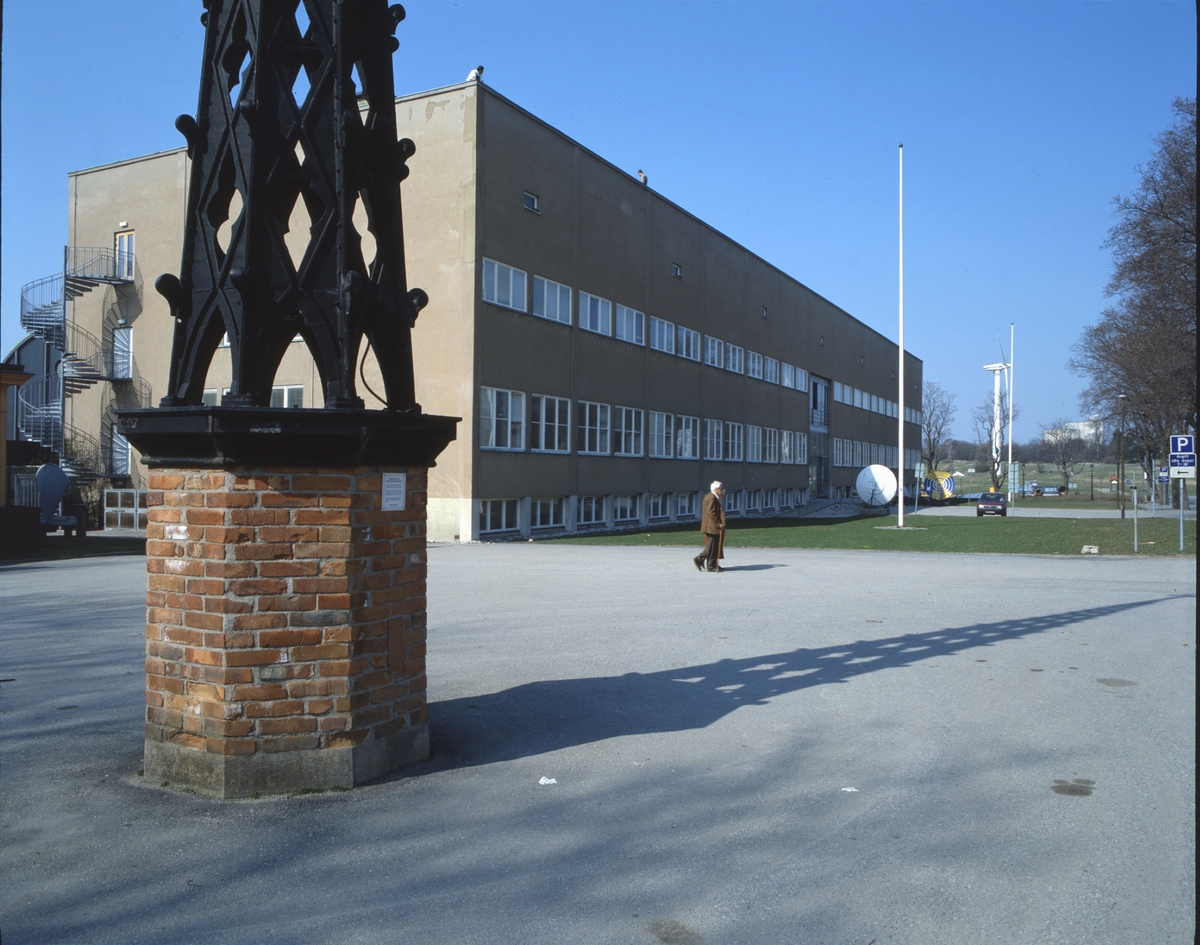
734 444
661 435
754 365
770 499
687 437
125 256
801 448
595 314
770 445
291 395
627 431
593 426
211 397
497 276
754 443
122 352
753 500
119 452
558 310
787 447
802 380
552 437
685 505
531 203
498 432
735 359
658 505
837 392
589 510
787 375
662 335
631 325
547 513
713 440
508 511
770 370
733 501
714 351
689 344
626 507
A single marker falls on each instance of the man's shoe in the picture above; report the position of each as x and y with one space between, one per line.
719 570
699 564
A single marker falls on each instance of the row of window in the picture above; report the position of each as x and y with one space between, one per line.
613 430
852 396
857 454
505 286
291 396
501 515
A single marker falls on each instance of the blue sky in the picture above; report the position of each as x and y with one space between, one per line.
776 123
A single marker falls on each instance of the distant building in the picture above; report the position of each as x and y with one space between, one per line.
1090 431
609 353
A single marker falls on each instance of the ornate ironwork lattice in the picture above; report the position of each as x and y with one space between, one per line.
296 121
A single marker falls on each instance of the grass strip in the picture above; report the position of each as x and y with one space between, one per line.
946 534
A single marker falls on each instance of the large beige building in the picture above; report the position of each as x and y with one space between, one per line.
609 354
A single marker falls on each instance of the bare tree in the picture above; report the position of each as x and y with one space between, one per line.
1144 345
982 421
937 416
1066 448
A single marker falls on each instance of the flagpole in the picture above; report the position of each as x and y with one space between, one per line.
900 371
1011 373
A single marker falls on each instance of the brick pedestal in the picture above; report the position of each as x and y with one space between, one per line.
285 628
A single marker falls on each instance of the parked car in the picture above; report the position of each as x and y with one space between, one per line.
991 503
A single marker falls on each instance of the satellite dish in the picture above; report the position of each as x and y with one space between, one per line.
876 485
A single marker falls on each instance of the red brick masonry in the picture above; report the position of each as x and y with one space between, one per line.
285 628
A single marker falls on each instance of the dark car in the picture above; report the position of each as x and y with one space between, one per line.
992 503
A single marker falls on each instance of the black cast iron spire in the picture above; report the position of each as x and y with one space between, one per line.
297 106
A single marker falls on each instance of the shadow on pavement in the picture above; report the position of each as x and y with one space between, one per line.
545 716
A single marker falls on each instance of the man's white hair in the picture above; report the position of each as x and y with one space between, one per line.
716 484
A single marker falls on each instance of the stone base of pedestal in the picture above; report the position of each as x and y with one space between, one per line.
285 629
321 769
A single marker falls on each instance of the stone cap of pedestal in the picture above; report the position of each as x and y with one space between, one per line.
222 437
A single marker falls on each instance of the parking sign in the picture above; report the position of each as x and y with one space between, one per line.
1183 444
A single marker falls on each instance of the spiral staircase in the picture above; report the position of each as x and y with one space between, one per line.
84 362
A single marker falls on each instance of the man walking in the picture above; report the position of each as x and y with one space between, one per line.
712 523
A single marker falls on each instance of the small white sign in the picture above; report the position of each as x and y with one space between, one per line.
395 486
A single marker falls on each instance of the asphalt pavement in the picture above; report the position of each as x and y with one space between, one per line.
812 747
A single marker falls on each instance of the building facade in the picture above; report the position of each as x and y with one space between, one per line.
609 353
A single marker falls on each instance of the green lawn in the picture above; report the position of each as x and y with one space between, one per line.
1038 536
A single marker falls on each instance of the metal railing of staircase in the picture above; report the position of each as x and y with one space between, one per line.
101 263
39 410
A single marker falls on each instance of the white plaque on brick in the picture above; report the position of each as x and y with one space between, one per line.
394 487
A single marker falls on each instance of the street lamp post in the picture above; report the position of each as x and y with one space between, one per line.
1121 458
1092 481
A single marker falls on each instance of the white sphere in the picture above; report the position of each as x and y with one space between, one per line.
876 485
